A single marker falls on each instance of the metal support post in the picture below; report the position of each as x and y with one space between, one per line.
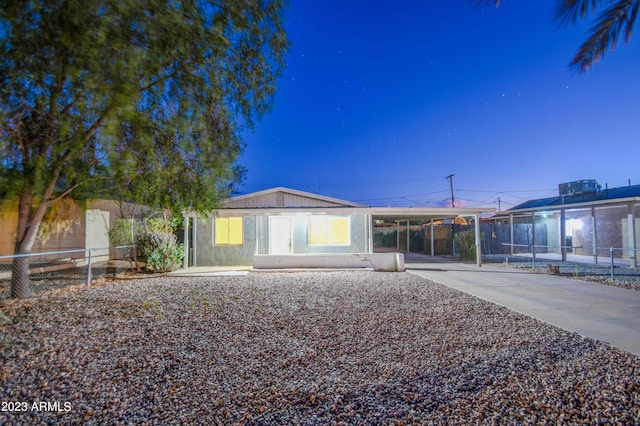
89 268
611 255
478 242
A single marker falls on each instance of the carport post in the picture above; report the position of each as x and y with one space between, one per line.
408 226
397 235
194 251
511 234
563 235
186 242
478 245
370 233
631 217
533 239
594 235
432 243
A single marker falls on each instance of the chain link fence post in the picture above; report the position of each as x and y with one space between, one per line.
89 268
611 255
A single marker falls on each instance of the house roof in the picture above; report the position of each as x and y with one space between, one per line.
600 197
282 200
286 197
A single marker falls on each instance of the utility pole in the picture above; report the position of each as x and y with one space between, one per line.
453 200
498 199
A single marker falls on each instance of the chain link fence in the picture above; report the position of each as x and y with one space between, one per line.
620 267
58 269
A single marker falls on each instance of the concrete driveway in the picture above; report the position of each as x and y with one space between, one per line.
606 313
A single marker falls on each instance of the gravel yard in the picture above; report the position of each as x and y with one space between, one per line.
355 347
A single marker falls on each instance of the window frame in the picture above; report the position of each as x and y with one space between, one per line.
328 219
229 240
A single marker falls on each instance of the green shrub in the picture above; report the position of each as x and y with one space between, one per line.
159 245
161 251
124 232
466 244
158 225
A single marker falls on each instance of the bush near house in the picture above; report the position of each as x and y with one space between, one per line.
466 244
155 239
160 246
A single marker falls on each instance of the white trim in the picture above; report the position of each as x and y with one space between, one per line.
400 213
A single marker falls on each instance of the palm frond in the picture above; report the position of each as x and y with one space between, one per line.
618 19
633 14
496 3
569 11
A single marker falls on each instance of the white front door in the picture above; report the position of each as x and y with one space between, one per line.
279 235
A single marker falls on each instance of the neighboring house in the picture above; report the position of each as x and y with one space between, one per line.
583 220
283 227
88 228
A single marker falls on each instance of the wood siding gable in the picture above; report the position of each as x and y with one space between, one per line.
283 198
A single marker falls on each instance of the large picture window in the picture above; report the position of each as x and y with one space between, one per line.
330 230
228 231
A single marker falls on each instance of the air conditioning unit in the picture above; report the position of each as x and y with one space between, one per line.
584 186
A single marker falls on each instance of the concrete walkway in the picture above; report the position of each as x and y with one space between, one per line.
606 313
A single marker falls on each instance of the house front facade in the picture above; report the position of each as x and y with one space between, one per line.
283 223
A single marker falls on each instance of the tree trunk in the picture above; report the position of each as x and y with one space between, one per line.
29 221
20 287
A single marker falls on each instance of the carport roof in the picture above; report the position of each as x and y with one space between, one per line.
387 213
619 195
425 213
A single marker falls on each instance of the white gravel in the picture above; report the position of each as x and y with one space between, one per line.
355 347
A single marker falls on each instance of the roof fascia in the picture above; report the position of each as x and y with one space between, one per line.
576 206
390 212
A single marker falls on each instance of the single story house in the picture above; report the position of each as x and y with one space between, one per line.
282 227
583 220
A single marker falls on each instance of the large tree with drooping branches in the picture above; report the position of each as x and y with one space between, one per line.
144 100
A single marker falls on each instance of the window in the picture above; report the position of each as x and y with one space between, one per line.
329 230
228 231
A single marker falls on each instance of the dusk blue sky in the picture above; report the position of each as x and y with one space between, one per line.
380 101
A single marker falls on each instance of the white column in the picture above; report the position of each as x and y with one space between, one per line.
195 240
594 235
433 251
633 262
185 264
511 234
371 241
397 235
563 235
408 226
478 242
533 238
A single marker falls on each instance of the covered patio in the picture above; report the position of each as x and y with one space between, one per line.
403 216
602 228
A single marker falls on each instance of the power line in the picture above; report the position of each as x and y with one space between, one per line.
453 200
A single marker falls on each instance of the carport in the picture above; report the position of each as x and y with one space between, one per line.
407 215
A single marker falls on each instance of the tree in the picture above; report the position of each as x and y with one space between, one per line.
615 18
144 99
